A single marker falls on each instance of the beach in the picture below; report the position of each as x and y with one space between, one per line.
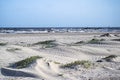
63 56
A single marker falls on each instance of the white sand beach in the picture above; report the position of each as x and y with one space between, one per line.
93 49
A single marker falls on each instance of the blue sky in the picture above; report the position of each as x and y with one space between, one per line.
56 13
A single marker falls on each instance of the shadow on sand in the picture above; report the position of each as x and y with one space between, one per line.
12 72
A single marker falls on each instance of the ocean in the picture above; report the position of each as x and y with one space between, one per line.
57 29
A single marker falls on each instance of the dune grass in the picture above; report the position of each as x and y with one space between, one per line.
26 62
56 62
60 74
46 44
115 39
105 35
109 58
13 49
92 41
84 63
80 42
95 41
3 44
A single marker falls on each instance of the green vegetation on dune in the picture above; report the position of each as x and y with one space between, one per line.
80 42
85 64
92 41
115 39
95 41
3 44
13 49
56 62
46 44
105 35
26 62
109 58
60 74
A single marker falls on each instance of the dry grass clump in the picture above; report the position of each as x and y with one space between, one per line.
85 64
26 62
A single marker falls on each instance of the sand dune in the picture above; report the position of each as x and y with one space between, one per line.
48 68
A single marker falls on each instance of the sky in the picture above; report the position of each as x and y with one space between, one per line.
59 13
